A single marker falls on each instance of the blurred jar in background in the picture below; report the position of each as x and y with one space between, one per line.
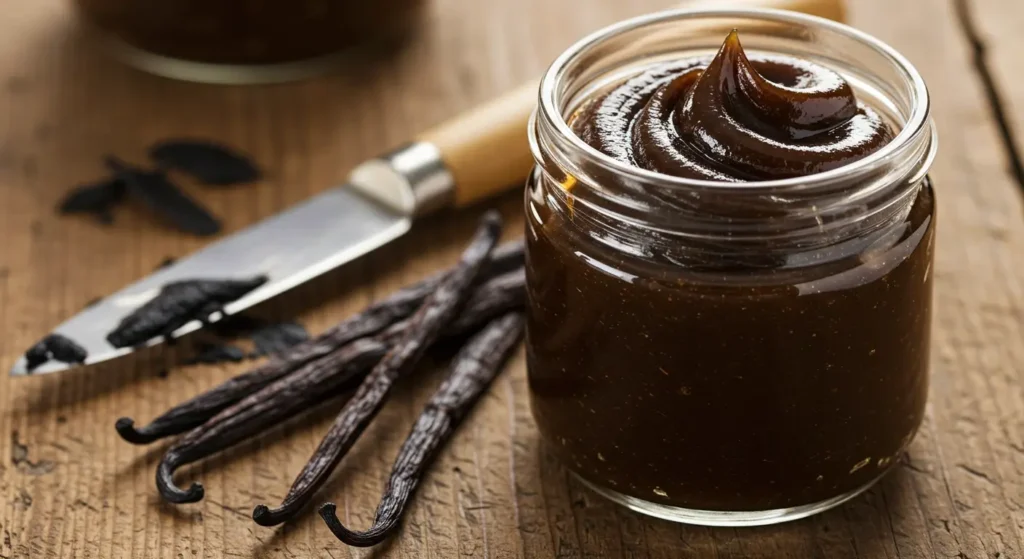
246 41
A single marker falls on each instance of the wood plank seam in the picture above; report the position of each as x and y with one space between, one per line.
996 104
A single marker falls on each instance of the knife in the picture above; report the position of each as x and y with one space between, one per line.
476 155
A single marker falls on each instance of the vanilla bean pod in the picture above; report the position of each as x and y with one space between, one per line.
499 294
260 411
439 308
319 380
473 369
376 317
396 307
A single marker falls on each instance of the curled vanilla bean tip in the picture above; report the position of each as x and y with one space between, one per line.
268 517
473 369
174 494
371 537
126 428
263 516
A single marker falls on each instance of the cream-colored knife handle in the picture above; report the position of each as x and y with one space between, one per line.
485 151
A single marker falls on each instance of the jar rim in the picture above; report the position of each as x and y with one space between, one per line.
915 126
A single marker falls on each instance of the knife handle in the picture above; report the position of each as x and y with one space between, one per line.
486 151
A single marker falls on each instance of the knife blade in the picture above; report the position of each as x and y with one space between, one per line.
378 204
289 248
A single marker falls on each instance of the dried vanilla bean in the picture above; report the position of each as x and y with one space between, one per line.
499 294
378 316
473 369
439 308
506 287
323 378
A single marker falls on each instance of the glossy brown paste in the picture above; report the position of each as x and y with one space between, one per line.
741 384
733 119
250 31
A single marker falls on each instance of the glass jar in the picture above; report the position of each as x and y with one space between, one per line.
245 41
729 353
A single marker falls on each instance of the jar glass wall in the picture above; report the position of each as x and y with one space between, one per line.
723 353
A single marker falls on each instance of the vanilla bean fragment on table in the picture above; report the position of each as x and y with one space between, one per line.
212 354
437 310
473 369
177 304
268 338
97 199
497 295
209 162
55 347
277 337
163 198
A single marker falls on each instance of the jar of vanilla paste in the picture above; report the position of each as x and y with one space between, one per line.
730 240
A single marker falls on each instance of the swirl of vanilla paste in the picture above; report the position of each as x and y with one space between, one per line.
734 118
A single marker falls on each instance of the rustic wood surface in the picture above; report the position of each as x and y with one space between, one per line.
69 487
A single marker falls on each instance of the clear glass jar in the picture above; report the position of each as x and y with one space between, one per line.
245 41
746 353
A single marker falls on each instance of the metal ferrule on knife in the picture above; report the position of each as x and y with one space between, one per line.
411 180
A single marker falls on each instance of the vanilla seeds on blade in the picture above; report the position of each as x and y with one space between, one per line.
55 347
177 304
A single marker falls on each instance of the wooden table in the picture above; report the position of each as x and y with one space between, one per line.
69 487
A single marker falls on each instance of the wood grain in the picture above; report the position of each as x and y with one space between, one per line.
69 487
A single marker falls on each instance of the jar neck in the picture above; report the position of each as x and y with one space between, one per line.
817 210
813 213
